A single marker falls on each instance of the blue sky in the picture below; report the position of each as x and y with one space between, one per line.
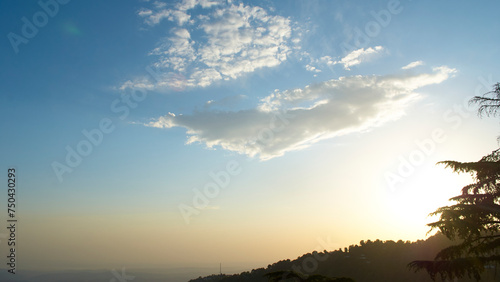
315 104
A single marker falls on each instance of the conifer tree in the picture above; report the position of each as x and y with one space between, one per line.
474 219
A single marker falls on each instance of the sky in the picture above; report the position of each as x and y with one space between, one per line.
163 134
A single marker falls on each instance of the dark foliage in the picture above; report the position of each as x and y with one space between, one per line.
284 275
370 261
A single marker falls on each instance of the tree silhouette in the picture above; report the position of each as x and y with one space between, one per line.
475 218
489 106
282 275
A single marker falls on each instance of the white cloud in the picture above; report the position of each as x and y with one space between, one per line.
145 13
327 60
226 102
312 69
294 119
412 65
178 13
154 18
233 40
190 4
177 52
159 4
358 56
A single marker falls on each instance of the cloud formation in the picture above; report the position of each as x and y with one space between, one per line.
213 40
358 56
294 119
231 40
413 65
354 58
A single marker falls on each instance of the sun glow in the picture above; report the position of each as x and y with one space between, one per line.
422 194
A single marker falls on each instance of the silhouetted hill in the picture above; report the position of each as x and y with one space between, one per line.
370 261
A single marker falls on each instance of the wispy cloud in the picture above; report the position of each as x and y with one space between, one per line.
312 68
178 14
358 56
229 101
306 115
412 65
354 58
